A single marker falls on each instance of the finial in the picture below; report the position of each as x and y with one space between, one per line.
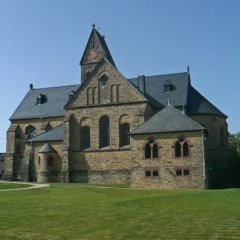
93 25
31 86
188 69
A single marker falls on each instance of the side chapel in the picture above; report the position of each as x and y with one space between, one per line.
149 131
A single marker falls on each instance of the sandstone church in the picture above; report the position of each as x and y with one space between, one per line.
149 131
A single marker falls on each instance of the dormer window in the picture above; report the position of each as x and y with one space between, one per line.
167 87
70 95
41 99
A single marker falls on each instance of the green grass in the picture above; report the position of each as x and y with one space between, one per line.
4 186
75 211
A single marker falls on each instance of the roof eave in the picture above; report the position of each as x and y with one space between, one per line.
139 133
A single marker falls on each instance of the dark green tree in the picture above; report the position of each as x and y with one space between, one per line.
234 146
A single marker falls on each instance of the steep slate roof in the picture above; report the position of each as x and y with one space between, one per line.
103 44
183 94
154 89
55 134
198 104
56 99
47 148
168 119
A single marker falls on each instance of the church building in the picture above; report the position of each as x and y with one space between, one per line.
148 131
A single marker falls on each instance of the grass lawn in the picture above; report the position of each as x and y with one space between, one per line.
75 211
4 186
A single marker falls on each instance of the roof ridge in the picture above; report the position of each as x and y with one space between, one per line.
61 86
165 74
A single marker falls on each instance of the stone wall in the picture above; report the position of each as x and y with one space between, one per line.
18 153
111 164
45 171
217 150
167 164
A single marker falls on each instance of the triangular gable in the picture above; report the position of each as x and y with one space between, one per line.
127 92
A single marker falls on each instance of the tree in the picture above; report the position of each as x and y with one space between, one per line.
234 146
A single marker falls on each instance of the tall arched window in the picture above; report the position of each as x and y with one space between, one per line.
155 150
104 133
148 151
178 149
151 150
85 137
181 148
185 149
124 138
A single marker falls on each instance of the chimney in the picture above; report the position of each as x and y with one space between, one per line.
141 84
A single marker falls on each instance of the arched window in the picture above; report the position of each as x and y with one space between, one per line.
185 149
39 160
85 137
181 147
104 133
155 150
124 138
30 131
151 150
178 149
103 80
148 150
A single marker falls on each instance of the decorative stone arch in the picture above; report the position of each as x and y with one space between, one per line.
85 121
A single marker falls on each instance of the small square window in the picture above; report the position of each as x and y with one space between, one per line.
155 173
148 173
186 172
179 172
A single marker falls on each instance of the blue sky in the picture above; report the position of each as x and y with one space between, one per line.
41 42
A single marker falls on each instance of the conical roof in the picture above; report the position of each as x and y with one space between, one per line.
47 148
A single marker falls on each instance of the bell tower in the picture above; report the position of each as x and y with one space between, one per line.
95 50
